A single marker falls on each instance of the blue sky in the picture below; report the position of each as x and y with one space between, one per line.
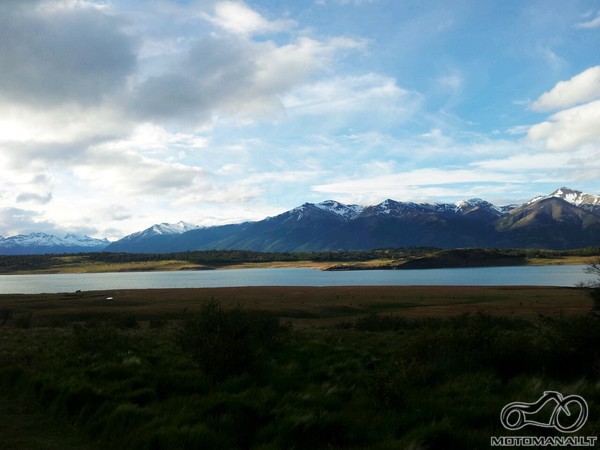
115 115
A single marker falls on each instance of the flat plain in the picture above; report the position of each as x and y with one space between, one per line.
308 306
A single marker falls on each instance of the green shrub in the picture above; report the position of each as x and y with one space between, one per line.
226 342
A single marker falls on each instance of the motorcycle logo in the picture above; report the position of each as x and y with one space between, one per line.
569 415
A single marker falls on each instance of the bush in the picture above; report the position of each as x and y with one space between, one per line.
228 342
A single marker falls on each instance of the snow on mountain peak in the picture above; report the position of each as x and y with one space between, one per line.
477 203
82 240
42 242
577 198
171 228
345 211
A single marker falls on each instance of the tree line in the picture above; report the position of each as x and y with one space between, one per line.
16 263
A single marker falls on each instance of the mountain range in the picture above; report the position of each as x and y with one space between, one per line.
565 219
40 243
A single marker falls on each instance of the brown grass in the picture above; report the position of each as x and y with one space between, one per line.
309 306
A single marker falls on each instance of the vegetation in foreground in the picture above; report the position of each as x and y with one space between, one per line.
235 378
397 258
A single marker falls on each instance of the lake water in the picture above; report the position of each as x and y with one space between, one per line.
568 275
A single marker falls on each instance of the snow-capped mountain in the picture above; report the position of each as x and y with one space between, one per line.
151 239
588 202
347 212
393 208
82 240
477 203
562 220
331 225
164 229
576 198
40 243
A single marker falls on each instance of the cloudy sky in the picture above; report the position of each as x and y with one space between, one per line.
117 114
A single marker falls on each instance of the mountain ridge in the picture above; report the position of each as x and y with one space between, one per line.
564 219
332 225
40 243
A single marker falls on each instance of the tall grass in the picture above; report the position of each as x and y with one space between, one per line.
232 378
226 342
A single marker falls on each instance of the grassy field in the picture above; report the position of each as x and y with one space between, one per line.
289 367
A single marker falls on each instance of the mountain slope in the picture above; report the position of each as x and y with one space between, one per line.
550 222
588 202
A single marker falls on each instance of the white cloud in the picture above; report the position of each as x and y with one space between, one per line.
581 88
527 162
129 173
589 24
153 139
233 77
370 93
238 18
575 125
23 221
429 182
569 129
280 68
58 133
452 81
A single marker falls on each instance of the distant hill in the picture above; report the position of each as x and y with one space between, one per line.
565 219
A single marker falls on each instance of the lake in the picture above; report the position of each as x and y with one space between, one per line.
567 275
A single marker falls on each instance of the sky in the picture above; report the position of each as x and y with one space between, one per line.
115 115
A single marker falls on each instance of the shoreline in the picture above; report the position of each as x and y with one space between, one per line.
411 264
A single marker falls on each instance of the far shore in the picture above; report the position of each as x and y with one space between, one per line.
330 260
379 264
